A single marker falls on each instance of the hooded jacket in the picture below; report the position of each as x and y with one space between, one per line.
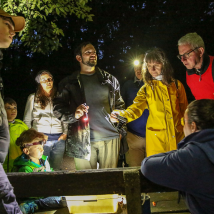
166 105
190 169
23 164
16 128
71 95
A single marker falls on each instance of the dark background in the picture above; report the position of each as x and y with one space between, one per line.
121 30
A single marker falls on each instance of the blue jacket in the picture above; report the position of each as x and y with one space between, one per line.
190 169
129 92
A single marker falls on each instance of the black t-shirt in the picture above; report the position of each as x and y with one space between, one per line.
97 98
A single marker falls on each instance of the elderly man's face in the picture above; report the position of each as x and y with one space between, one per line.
191 60
6 32
138 71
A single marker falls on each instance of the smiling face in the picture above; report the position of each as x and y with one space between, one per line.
89 56
194 59
6 32
155 68
11 111
46 82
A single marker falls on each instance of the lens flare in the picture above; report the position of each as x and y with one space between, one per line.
136 62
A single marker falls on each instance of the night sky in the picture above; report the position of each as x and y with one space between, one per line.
120 31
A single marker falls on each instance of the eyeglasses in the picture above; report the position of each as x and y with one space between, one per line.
46 80
41 142
186 55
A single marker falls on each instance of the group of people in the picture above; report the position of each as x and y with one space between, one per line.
80 118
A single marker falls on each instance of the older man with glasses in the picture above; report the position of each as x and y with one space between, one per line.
200 67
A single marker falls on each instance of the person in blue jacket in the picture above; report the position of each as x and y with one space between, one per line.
190 169
136 134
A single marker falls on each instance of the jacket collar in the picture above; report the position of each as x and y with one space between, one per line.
204 66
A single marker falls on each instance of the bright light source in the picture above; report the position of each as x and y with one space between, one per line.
85 119
136 62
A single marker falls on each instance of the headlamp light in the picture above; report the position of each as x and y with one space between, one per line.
136 62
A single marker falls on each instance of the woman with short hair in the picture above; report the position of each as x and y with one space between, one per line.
39 115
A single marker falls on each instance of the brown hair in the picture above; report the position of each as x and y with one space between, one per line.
201 112
41 96
10 101
159 56
27 136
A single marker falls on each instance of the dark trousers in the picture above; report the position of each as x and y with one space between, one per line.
7 197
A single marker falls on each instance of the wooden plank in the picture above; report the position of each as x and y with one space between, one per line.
83 182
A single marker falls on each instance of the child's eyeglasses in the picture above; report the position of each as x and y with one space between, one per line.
41 142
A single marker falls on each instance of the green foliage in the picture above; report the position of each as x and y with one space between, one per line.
42 33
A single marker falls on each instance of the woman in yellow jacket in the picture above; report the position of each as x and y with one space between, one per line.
166 100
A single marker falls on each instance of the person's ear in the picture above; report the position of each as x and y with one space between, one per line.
193 127
26 151
201 51
78 58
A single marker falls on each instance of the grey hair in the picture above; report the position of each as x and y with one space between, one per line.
192 39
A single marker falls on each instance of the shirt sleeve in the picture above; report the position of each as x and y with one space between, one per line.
61 104
136 109
28 110
173 169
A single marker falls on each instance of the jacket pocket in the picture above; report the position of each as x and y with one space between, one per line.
153 129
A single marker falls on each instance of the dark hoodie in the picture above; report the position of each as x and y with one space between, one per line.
190 169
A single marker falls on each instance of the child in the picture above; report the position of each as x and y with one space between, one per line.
32 160
16 127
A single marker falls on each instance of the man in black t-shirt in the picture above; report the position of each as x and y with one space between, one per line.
86 100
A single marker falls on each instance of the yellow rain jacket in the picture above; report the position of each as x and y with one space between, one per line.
166 105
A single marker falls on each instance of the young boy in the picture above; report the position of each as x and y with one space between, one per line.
32 160
16 127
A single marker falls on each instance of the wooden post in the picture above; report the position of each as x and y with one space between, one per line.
132 190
